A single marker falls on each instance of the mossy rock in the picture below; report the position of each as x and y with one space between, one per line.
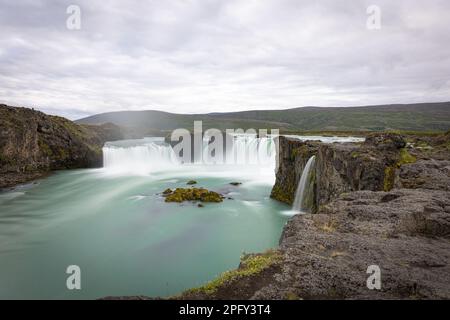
167 191
355 155
251 265
193 194
235 183
302 151
389 178
281 195
405 157
191 182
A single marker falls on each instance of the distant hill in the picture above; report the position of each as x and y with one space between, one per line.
408 117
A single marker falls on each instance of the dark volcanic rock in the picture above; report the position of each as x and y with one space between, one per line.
292 158
33 143
405 231
327 254
339 167
425 174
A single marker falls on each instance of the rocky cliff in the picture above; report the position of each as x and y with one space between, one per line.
384 203
340 167
33 143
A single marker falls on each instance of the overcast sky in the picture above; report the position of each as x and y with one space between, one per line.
193 56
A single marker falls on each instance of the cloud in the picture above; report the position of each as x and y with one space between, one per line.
193 56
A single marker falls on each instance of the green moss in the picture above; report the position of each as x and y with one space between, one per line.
279 194
310 199
192 194
29 168
45 148
250 265
389 178
355 155
292 296
191 182
63 153
301 151
405 157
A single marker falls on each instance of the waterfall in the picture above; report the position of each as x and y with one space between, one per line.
299 202
252 150
149 155
141 156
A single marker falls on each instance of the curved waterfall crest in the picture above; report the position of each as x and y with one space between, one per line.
144 156
141 156
303 186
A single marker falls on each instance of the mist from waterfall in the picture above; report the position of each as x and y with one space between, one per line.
300 195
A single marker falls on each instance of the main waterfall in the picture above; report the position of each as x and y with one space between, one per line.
141 156
149 155
303 186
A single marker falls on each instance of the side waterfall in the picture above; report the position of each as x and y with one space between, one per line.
303 186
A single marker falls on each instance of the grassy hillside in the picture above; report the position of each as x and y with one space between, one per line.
412 117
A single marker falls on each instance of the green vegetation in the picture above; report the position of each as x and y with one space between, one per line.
250 265
192 194
292 296
191 182
405 157
279 194
427 118
45 148
355 154
389 178
302 151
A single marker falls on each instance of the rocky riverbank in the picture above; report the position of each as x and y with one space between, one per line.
384 202
32 144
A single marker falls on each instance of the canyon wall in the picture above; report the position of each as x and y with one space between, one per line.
33 143
384 204
339 168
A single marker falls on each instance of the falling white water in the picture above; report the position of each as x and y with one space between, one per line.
251 150
143 156
248 156
299 205
246 149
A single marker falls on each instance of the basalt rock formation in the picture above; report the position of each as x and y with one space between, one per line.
33 143
396 219
340 167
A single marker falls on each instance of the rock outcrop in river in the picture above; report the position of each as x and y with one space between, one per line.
33 143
